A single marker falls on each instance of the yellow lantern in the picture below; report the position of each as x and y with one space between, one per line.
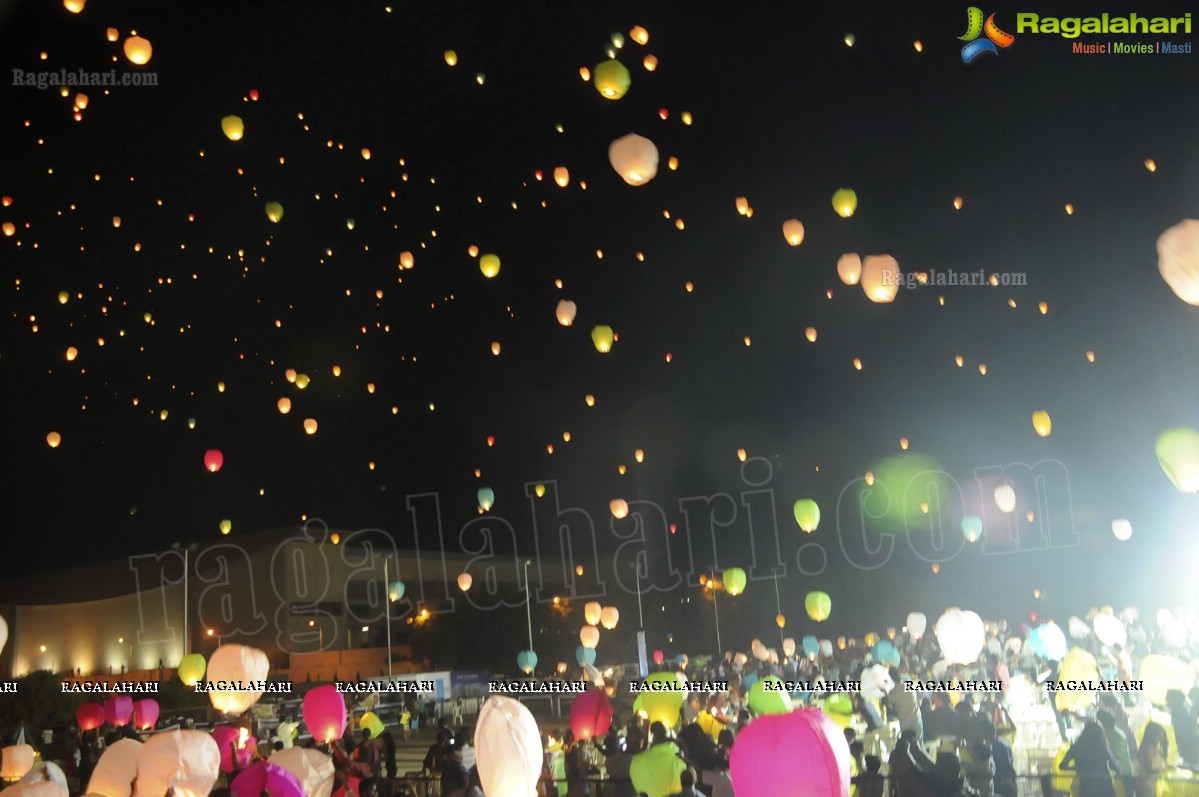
274 212
793 231
611 79
880 277
845 202
619 508
734 581
634 158
603 338
780 621
1042 423
561 176
451 58
1077 665
302 381
639 34
191 669
138 50
233 127
226 526
819 606
1178 454
489 265
74 6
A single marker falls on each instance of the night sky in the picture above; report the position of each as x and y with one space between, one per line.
783 113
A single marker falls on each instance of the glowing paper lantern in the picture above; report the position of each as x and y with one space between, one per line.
611 79
118 710
464 581
881 278
233 128
772 700
15 761
1005 498
1077 665
116 769
54 439
819 605
916 624
451 58
486 497
789 647
590 715
634 158
312 768
1109 630
233 663
526 660
191 669
585 656
274 212
1178 260
490 265
663 706
1122 528
566 312
807 514
609 617
186 762
876 682
145 713
1163 673
591 612
213 460
1053 645
325 713
845 202
619 508
138 50
226 526
74 6
1042 423
801 753
734 581
370 722
793 231
262 777
961 635
780 620
972 527
230 741
395 591
562 176
603 338
655 771
811 647
589 635
508 749
89 716
1178 454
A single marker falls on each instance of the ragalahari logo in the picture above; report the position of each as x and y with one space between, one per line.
995 40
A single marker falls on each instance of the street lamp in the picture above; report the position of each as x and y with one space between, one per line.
528 604
217 634
187 549
121 641
320 630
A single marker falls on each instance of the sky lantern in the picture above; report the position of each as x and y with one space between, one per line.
1162 673
961 636
591 612
185 763
1077 665
765 701
793 231
464 581
780 620
302 381
650 62
118 710
233 128
486 497
972 527
849 268
916 624
89 716
1122 529
226 526
807 514
72 353
800 753
1005 498
619 508
490 265
589 635
451 58
602 337
508 749
662 706
734 581
213 460
191 669
1178 454
1042 423
233 663
565 312
611 79
310 425
15 761
74 6
880 278
845 202
324 712
138 50
1178 260
274 212
639 34
53 439
407 261
819 605
609 617
656 771
284 405
1109 630
395 591
590 715
562 176
634 158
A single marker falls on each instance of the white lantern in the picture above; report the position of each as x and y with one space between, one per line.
881 278
961 636
116 770
589 636
826 647
15 761
237 663
566 312
465 580
849 268
1078 628
312 768
1005 498
761 652
1178 260
788 647
1122 528
592 611
1053 641
508 749
609 617
793 231
38 788
634 158
1109 630
185 762
619 508
917 623
3 633
876 682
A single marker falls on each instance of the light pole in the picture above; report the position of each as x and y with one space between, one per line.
712 583
387 610
187 549
217 634
529 605
121 641
778 604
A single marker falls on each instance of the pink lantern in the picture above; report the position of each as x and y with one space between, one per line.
312 768
325 713
782 755
145 713
185 762
230 740
118 710
590 715
213 460
89 716
262 776
116 769
659 657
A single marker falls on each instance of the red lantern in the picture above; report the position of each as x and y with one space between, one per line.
145 713
782 755
590 715
118 710
325 713
659 657
89 716
213 460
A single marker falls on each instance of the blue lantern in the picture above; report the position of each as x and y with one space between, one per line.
395 591
527 661
972 527
486 497
885 653
585 656
811 647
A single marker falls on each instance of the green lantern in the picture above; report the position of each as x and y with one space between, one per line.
734 581
819 605
611 79
807 514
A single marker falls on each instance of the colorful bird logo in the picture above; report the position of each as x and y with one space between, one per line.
975 27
